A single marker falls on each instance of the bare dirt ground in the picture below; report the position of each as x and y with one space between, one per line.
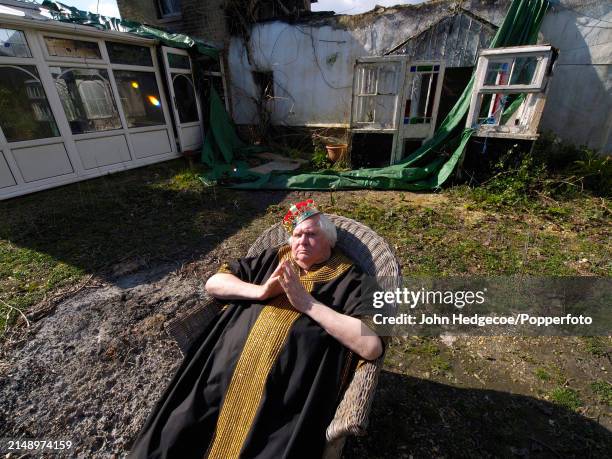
93 364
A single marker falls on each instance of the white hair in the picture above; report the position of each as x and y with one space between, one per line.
328 228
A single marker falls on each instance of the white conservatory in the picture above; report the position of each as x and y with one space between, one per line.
77 102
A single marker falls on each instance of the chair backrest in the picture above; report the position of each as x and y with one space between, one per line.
359 242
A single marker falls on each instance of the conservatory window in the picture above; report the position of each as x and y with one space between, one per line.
179 61
24 110
185 96
140 98
122 53
66 47
13 44
87 99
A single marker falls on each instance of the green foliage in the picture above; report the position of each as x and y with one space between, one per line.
440 365
603 389
596 172
596 345
550 170
566 397
542 374
319 160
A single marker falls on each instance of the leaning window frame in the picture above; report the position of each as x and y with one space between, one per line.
220 74
377 61
535 91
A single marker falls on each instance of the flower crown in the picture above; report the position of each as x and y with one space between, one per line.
299 212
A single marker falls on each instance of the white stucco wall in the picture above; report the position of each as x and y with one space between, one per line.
313 65
579 104
313 62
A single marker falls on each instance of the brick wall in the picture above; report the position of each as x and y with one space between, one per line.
144 11
204 19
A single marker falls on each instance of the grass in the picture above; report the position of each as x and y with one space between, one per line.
597 346
542 374
51 239
603 390
566 397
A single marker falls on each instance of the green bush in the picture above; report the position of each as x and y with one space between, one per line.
320 160
551 169
566 397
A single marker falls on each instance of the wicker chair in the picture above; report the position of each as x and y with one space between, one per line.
375 257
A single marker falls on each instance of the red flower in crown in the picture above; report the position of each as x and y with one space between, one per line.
299 212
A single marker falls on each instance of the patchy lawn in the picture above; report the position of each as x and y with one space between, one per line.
99 266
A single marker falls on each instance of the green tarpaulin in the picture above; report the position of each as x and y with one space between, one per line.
425 169
65 13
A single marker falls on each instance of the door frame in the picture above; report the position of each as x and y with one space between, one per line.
404 79
169 72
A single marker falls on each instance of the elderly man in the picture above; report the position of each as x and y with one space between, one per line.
264 382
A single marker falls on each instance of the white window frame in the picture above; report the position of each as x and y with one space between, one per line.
171 74
34 32
524 122
49 58
220 74
373 127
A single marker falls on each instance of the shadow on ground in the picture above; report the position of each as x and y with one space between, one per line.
116 225
419 418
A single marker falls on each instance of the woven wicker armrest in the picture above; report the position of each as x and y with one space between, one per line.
352 414
186 328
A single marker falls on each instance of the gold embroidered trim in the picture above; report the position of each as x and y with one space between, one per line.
261 349
225 268
264 343
337 264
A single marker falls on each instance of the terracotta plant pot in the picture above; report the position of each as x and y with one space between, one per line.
335 152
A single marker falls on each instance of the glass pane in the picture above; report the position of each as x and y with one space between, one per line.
366 80
524 69
497 73
385 111
491 108
178 61
120 53
185 98
364 110
378 111
24 111
139 98
419 107
13 44
66 47
387 79
87 99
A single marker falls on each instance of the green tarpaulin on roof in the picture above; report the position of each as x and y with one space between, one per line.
65 13
425 169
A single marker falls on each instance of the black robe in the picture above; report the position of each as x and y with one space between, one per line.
264 380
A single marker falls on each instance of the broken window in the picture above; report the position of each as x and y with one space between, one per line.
375 94
419 106
509 91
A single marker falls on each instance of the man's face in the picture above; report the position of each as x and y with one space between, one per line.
309 244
